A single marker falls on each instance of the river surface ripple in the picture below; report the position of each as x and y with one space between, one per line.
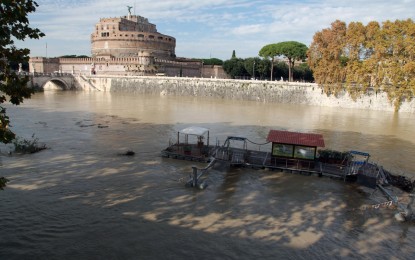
81 199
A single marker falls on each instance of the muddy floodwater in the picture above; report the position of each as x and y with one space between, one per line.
82 199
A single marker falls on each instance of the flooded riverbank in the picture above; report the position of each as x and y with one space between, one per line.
81 200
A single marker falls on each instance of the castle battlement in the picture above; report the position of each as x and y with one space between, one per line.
126 36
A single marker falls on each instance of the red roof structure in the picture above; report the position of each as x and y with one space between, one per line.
286 137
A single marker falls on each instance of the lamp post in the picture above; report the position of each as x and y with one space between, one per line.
253 71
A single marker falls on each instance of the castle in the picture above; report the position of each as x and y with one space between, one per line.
130 36
130 46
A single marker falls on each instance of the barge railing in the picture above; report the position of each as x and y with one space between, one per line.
405 212
197 174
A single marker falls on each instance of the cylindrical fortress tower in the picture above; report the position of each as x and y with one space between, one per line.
127 36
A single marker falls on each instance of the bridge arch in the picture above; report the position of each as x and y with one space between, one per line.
55 84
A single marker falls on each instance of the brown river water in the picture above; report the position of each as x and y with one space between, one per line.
81 199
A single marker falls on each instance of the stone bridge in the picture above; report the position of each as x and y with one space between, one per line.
63 81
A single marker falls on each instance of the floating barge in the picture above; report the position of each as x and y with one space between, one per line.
286 151
290 152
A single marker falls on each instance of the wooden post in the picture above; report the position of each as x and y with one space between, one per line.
194 176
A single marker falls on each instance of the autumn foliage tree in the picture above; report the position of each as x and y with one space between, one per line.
356 57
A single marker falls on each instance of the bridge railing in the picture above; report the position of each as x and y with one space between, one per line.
39 74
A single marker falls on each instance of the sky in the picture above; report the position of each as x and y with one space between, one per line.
205 28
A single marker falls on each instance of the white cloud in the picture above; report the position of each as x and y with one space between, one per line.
248 29
215 26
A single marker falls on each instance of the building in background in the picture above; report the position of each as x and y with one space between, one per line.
130 46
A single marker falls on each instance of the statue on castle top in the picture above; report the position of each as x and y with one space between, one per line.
129 9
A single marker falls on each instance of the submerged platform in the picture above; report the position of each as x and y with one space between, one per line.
290 152
253 159
190 152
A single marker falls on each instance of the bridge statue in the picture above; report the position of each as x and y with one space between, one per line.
129 9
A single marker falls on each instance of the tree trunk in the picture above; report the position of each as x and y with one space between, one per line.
272 66
290 70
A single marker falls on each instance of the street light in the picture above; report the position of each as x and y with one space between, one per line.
253 71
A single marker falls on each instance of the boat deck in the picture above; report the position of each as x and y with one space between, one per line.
264 160
252 159
190 152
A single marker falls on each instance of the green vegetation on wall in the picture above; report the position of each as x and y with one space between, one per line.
212 61
260 69
291 50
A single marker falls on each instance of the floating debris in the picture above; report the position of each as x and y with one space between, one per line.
401 182
42 123
128 153
86 125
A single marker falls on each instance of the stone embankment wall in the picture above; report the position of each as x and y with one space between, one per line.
261 91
